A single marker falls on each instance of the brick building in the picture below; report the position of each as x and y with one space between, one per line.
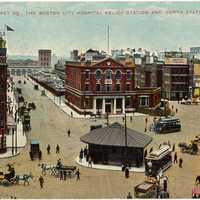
44 58
3 95
106 86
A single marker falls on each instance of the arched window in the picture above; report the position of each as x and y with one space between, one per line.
98 74
108 74
118 74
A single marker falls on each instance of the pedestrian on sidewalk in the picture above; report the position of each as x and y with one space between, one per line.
176 110
69 132
90 162
146 120
180 162
57 149
40 155
126 172
129 196
173 148
131 119
78 175
48 149
41 180
175 158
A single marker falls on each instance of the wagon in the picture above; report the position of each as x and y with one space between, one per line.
35 149
6 179
146 189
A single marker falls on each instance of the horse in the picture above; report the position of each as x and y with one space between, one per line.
24 177
197 180
45 167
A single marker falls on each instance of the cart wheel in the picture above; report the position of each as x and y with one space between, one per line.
5 182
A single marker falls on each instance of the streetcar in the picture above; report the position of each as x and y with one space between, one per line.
158 160
167 125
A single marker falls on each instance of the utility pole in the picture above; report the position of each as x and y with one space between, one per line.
107 119
126 152
108 39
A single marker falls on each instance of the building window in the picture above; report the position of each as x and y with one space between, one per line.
128 73
86 87
98 74
118 74
128 102
87 74
108 74
118 87
108 88
98 87
128 87
144 101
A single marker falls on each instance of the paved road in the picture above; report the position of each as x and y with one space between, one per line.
50 125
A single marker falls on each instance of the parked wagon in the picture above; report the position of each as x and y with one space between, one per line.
35 151
7 178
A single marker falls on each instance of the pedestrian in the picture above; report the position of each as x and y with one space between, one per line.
180 162
61 174
65 175
131 119
146 120
41 180
175 158
40 155
172 107
31 156
81 155
48 149
57 149
71 114
78 175
176 110
126 172
85 152
129 196
87 157
165 184
173 148
90 162
68 132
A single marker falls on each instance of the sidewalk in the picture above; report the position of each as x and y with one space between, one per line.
108 167
61 104
21 137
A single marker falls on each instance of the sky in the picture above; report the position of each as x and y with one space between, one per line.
71 28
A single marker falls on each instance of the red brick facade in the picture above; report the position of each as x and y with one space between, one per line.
105 86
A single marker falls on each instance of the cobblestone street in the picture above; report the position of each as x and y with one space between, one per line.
50 125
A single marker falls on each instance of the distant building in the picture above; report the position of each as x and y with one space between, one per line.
44 58
177 72
195 52
74 55
3 95
59 69
106 86
92 55
196 80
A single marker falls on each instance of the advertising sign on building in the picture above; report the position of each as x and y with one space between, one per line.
175 61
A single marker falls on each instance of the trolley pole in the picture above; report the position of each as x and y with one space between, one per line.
126 160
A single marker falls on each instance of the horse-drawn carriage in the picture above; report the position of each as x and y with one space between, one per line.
57 170
6 179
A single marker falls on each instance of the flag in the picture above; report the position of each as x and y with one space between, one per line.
8 28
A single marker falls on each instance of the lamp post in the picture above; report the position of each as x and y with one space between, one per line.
126 145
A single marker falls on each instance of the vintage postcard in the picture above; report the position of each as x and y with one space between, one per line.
99 100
